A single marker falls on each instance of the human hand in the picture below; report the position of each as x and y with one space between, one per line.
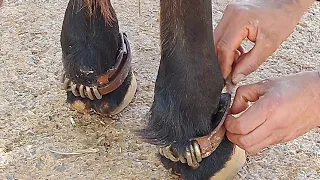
284 109
267 23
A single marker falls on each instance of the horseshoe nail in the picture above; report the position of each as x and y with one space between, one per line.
197 151
89 93
74 89
81 90
96 92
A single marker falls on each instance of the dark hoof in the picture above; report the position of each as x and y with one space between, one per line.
202 153
109 104
201 147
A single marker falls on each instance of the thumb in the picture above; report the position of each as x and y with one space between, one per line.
247 93
253 116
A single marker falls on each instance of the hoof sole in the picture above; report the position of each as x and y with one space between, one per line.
80 107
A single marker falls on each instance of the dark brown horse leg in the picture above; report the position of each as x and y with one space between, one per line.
91 43
188 88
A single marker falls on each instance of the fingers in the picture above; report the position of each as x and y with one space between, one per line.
227 47
254 141
236 25
229 85
251 61
229 34
262 137
253 117
245 94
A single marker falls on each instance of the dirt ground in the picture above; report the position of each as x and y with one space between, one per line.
42 138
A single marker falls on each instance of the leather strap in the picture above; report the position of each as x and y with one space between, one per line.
116 76
208 144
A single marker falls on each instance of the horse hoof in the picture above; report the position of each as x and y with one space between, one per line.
110 104
233 166
127 98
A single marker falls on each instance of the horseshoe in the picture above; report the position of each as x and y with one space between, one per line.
81 90
195 163
197 151
74 89
96 92
89 93
188 157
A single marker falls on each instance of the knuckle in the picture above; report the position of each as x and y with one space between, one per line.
242 129
222 46
242 89
244 143
236 126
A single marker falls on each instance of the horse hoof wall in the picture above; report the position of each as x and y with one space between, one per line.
127 98
104 105
233 166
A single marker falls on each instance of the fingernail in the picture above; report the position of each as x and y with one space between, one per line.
238 78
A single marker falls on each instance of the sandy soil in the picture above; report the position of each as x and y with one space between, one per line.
35 121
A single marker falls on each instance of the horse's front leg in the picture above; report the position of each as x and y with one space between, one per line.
96 58
188 101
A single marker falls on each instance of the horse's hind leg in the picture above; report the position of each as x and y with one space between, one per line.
96 58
